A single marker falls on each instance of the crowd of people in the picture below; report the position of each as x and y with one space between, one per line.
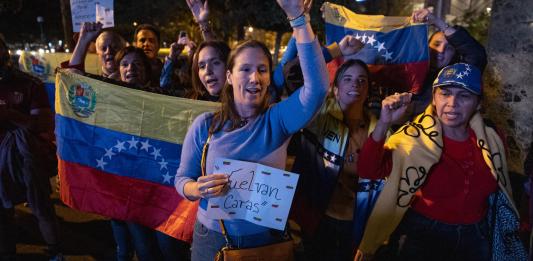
432 150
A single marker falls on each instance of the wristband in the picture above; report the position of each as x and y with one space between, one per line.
446 26
205 26
300 20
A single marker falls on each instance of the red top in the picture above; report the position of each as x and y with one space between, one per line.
23 93
457 187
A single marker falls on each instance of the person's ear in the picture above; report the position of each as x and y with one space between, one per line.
336 92
228 77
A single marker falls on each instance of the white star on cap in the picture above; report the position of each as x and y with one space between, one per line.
459 76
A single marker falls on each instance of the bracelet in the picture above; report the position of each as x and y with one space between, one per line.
300 20
302 13
205 26
446 26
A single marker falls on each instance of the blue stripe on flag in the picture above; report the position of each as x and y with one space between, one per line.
404 45
117 153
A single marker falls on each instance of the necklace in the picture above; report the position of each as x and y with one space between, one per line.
355 143
243 123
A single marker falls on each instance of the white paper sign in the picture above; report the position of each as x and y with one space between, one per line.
85 11
257 193
104 15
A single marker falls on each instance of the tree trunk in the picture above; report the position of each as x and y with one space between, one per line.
508 90
67 23
277 45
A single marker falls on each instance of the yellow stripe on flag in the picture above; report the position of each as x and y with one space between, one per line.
341 16
48 62
126 110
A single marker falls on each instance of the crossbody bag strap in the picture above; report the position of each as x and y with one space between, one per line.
203 165
225 233
204 154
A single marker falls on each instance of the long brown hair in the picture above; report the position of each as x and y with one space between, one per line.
227 111
198 89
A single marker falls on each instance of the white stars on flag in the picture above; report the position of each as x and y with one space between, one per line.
387 55
163 164
372 40
145 145
380 46
120 146
109 153
167 178
147 163
100 163
156 153
133 142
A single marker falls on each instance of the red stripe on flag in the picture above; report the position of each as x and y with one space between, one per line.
150 204
392 77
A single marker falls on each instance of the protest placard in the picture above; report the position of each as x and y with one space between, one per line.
85 11
257 193
104 15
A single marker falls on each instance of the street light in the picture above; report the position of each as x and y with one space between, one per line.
40 20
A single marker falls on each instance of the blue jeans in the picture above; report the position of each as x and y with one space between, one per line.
148 243
206 243
122 239
422 238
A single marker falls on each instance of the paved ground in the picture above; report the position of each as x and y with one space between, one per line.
84 236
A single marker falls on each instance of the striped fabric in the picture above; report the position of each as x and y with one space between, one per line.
119 150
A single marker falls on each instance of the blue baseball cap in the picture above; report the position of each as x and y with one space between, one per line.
461 75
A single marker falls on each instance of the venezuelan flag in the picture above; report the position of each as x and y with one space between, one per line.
119 149
396 50
43 65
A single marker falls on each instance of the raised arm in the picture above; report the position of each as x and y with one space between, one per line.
296 111
88 33
467 48
200 12
348 45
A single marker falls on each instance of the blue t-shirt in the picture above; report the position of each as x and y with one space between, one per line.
263 139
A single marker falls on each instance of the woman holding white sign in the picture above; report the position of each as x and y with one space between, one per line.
246 128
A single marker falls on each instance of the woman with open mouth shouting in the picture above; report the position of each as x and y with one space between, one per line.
247 128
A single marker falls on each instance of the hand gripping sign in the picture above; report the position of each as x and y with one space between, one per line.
257 193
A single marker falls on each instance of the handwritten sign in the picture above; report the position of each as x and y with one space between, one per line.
104 15
257 193
85 11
